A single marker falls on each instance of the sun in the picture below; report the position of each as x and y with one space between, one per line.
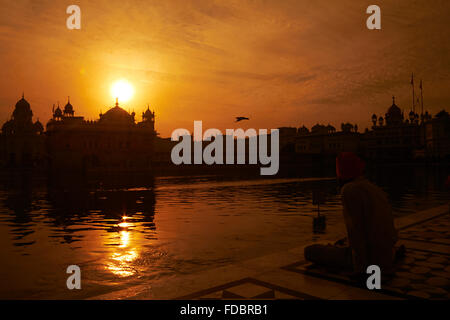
123 90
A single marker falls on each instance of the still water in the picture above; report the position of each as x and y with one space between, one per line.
179 225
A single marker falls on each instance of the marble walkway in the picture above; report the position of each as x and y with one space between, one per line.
423 274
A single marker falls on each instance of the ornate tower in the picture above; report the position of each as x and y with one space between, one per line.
394 116
148 117
68 109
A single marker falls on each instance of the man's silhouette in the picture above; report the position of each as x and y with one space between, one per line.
368 218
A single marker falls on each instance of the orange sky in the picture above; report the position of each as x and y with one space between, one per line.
282 63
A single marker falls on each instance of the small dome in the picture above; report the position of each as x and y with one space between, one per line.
303 130
442 115
394 115
68 108
38 127
394 110
58 113
22 112
148 113
23 104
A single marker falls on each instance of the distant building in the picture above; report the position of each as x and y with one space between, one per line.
162 152
117 143
112 144
287 137
394 137
21 139
437 136
326 140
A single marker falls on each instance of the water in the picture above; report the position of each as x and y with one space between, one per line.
124 237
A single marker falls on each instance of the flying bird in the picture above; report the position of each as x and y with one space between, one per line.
241 118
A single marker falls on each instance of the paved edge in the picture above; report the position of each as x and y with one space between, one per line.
139 290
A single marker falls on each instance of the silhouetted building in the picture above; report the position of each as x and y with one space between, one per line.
162 151
394 137
326 140
114 143
391 138
437 136
21 140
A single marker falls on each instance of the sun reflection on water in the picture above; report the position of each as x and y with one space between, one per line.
120 262
124 239
124 224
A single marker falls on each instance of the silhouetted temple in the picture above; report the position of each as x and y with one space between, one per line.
22 140
113 143
391 138
394 137
117 143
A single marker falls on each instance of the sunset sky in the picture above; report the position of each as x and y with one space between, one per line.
280 62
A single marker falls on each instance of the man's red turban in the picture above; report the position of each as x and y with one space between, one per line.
349 166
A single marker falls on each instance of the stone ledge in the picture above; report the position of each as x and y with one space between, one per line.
260 268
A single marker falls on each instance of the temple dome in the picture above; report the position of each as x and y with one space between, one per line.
117 115
38 127
394 110
394 114
23 104
116 112
148 114
22 111
68 108
58 113
303 130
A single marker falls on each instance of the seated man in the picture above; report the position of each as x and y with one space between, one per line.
368 218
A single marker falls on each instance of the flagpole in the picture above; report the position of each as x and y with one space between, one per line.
421 95
412 84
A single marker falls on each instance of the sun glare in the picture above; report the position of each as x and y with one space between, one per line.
123 90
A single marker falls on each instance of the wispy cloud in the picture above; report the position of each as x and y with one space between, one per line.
285 62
